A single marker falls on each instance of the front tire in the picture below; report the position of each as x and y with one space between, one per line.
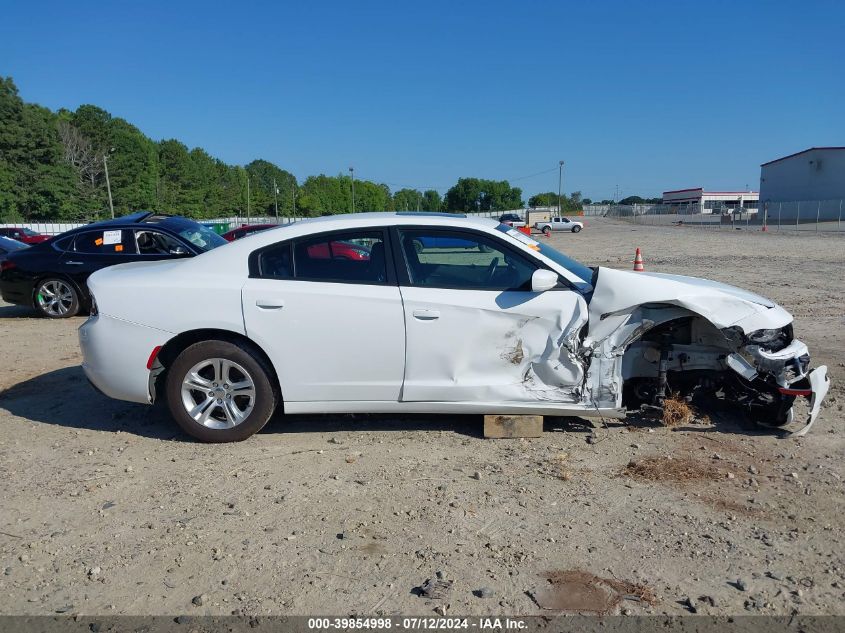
219 391
576 229
56 298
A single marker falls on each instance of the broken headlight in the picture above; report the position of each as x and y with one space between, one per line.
772 340
763 336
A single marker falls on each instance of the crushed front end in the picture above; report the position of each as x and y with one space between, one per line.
770 369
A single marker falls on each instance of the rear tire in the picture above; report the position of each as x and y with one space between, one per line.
547 231
56 298
220 391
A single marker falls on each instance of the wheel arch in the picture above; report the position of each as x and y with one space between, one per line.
176 345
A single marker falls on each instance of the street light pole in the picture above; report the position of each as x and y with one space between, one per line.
276 199
559 186
108 182
352 173
247 199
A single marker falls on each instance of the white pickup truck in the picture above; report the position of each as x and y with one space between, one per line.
558 224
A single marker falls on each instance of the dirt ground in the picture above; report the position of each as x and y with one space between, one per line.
106 508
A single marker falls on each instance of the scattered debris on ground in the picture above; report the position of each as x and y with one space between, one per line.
580 592
435 589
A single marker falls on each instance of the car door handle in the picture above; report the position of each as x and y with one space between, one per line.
74 263
426 315
270 304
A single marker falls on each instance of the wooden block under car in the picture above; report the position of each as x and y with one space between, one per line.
512 426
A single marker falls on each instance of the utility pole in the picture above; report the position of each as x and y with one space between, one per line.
293 194
352 173
276 199
108 182
559 186
247 199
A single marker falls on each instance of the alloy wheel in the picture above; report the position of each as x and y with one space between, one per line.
218 393
55 298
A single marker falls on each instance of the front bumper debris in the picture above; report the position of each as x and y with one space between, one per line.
819 385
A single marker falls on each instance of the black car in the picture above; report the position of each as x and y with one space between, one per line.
510 218
8 245
50 276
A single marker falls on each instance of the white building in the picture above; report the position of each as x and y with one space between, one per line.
699 201
817 173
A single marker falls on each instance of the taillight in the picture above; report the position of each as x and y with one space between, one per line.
153 356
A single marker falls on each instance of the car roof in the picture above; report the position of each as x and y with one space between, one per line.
234 252
133 219
9 242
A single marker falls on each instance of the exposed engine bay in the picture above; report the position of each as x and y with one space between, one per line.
675 352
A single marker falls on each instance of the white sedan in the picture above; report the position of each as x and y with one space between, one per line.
350 314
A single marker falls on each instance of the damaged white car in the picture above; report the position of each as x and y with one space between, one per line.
433 313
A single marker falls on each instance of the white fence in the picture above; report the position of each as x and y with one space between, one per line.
819 216
45 228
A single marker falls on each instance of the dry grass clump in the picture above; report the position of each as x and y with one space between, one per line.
669 469
556 467
676 411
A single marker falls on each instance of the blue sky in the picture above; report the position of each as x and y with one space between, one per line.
644 95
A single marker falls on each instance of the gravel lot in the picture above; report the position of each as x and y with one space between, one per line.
105 507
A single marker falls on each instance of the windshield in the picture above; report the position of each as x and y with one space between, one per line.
575 267
29 232
200 236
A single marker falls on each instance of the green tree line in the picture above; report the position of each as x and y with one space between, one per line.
53 168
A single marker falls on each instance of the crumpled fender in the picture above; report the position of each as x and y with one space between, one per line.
619 292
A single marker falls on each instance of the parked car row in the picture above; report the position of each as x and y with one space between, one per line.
50 275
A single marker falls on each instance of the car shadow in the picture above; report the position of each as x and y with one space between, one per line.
723 420
9 311
64 397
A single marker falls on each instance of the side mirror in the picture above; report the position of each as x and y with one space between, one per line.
543 280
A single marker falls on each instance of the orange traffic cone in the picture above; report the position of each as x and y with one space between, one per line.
638 262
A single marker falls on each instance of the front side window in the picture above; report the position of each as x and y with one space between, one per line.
353 257
456 259
155 243
105 242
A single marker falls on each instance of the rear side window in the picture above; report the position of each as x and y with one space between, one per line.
105 242
64 243
353 257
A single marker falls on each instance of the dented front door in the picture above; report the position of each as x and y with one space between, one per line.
492 346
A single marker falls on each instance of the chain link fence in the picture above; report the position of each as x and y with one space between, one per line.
804 216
